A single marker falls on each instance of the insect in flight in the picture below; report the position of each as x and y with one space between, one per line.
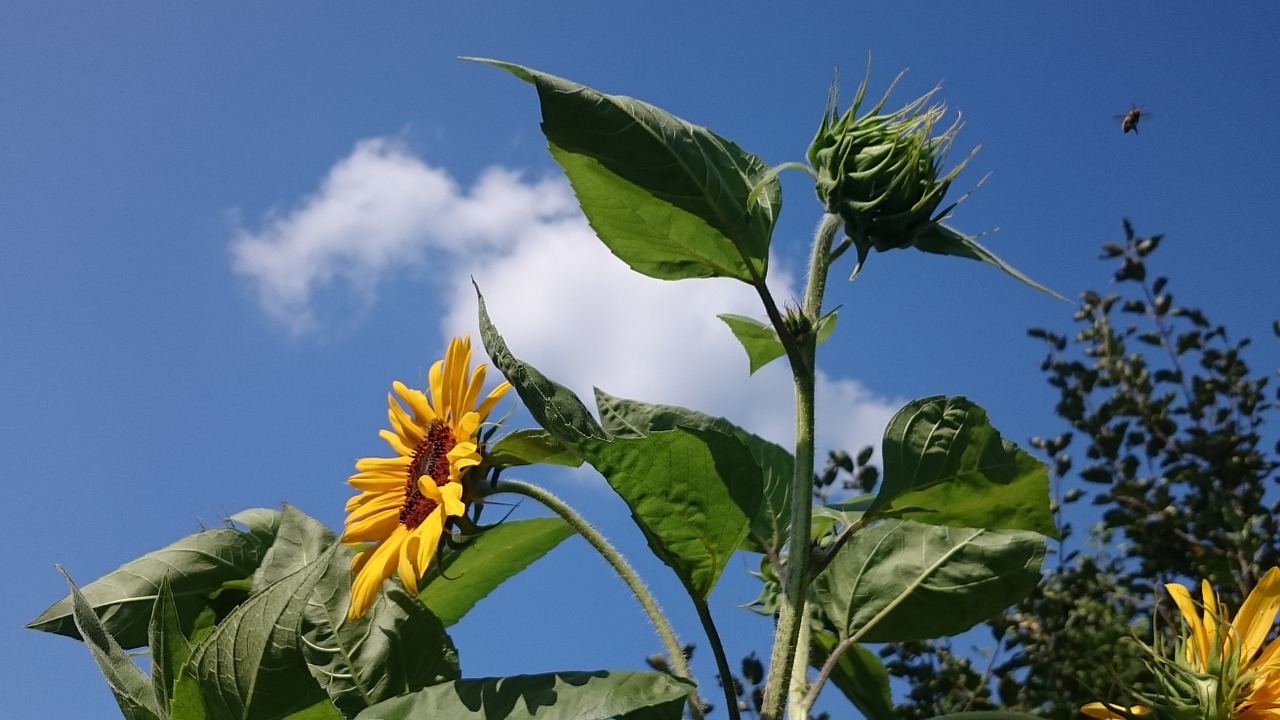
1129 120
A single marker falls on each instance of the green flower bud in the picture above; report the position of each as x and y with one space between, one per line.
881 172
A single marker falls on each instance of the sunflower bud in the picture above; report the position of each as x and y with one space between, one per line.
881 172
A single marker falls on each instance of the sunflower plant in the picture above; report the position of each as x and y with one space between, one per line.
277 616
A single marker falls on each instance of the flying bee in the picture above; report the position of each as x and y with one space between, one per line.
1129 120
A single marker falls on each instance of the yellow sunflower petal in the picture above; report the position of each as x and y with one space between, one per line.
451 500
1258 614
1270 658
1107 711
1198 648
428 537
487 406
372 528
435 387
370 501
416 401
397 464
373 570
1215 617
409 431
376 483
394 441
408 553
471 394
467 427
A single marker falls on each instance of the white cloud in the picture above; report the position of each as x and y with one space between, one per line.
561 300
379 209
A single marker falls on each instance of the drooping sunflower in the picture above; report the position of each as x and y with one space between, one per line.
1231 675
406 501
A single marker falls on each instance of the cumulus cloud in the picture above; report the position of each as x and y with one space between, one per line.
561 300
379 209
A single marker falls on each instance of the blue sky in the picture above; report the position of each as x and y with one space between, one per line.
227 228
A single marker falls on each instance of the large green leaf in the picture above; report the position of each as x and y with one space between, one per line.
677 484
197 567
250 667
465 576
945 464
130 686
552 696
671 199
899 580
774 465
551 404
530 446
300 540
858 674
398 647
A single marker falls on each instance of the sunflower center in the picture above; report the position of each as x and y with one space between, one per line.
430 458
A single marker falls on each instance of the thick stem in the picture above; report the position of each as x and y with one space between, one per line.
798 702
791 612
675 653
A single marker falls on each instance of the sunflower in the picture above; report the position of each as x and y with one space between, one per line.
406 502
1236 677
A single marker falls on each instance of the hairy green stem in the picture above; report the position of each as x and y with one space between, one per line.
791 611
675 653
798 702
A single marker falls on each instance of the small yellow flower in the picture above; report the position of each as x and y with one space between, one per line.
406 502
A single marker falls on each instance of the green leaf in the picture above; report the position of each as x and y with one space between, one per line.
130 686
187 703
942 240
552 696
323 710
298 542
858 674
761 341
944 464
197 567
774 464
899 580
465 576
552 405
398 647
169 647
671 199
694 493
250 667
530 447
